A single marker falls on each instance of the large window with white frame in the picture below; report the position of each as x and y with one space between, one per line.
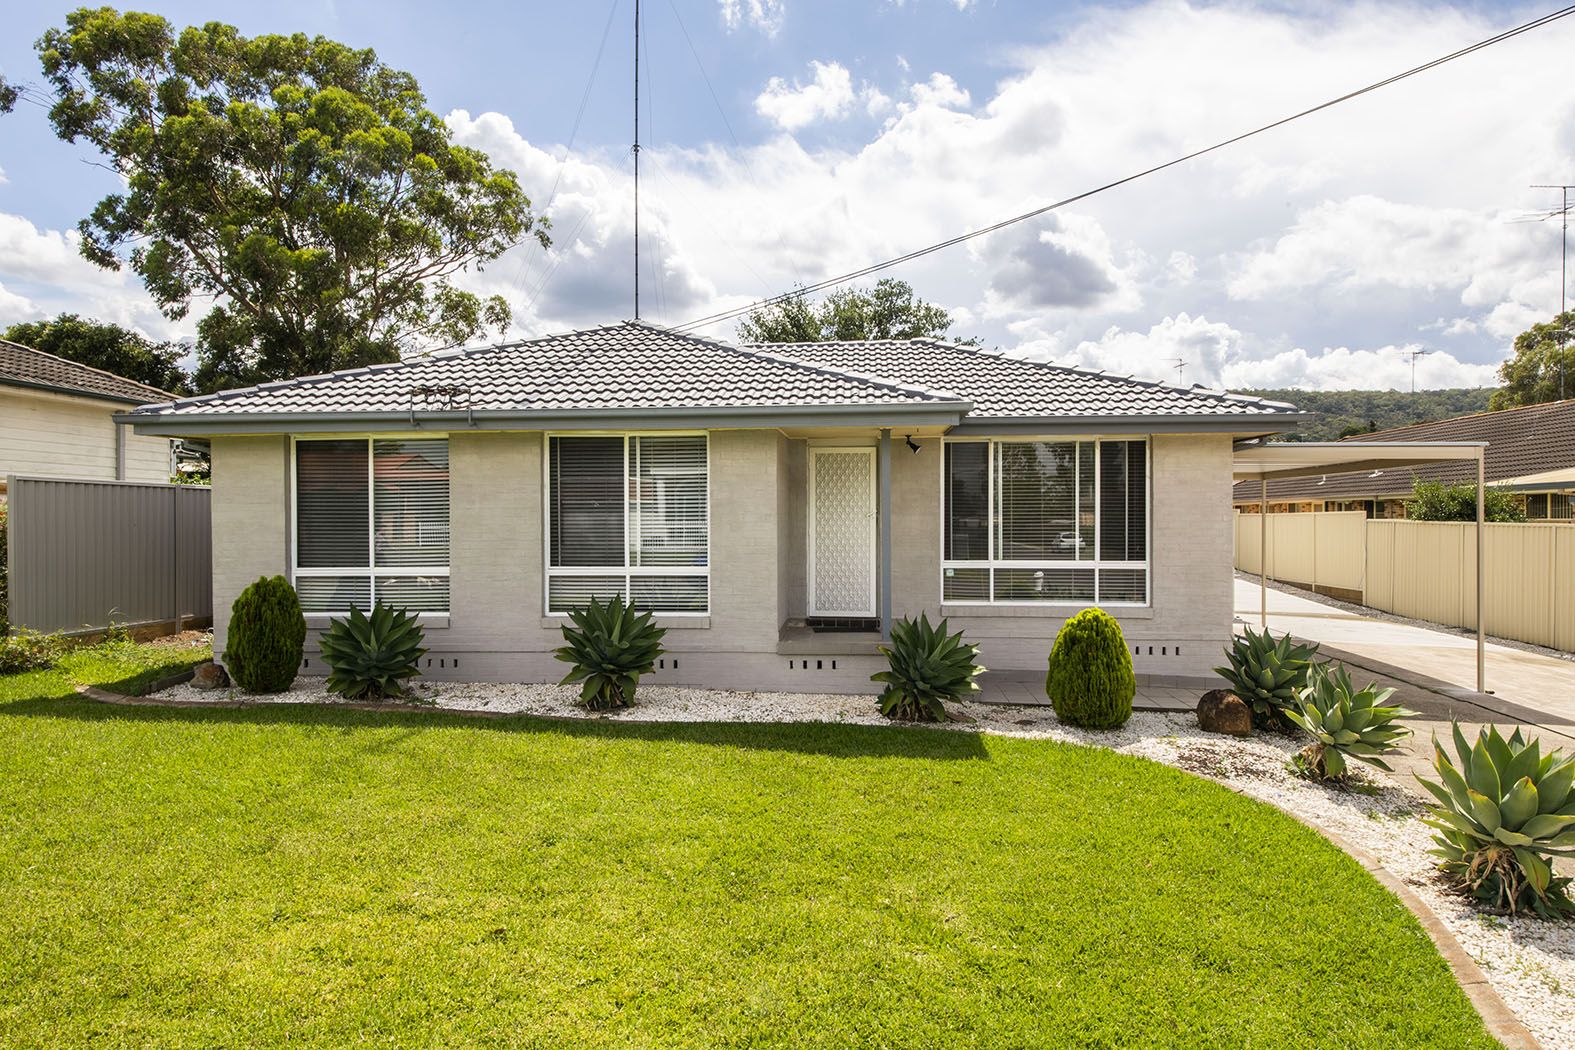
628 516
1045 521
372 523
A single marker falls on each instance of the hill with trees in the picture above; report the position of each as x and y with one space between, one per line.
1343 413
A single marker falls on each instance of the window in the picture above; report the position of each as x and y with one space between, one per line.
627 516
1046 521
1548 506
371 524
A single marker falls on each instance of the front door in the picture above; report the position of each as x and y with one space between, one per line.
842 532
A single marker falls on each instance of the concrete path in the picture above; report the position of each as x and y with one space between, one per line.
1432 670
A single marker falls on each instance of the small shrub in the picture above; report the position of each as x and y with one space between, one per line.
927 668
28 651
1268 674
372 655
1501 815
1344 722
1090 680
610 647
267 635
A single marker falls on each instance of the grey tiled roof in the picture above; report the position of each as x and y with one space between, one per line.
615 367
1004 387
23 366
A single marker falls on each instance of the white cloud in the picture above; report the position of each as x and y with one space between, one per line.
1181 266
940 90
44 274
766 16
827 96
1216 355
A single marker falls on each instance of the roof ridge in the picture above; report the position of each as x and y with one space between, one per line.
87 368
746 349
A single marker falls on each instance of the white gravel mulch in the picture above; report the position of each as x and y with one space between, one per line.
1530 963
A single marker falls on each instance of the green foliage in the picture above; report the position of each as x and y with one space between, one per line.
1531 375
266 637
1269 675
1435 501
99 344
1347 413
301 183
610 647
889 310
1501 814
371 656
9 94
28 651
1090 680
927 667
1344 722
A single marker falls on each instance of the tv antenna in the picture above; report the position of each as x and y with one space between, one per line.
1181 364
1413 353
1564 262
636 151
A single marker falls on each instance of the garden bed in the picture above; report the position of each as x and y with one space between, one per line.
1530 963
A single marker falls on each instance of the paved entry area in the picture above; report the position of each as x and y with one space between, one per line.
1432 669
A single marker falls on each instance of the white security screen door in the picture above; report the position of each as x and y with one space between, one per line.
842 532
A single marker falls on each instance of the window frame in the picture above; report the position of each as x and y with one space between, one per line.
1096 564
370 571
548 570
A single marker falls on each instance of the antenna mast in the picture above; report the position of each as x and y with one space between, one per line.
1564 260
636 160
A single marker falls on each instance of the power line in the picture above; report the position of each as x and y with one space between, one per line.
831 282
1564 265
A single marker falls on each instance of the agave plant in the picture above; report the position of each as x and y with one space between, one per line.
1267 674
927 668
1501 814
610 646
1344 722
372 655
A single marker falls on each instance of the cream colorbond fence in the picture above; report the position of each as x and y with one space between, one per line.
1325 552
1427 569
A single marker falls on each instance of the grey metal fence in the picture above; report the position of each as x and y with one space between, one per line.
85 553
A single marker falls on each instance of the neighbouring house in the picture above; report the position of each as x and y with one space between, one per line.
1530 452
57 418
774 505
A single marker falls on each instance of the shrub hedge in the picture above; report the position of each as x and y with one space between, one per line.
266 637
1090 680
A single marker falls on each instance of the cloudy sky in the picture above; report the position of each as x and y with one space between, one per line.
790 140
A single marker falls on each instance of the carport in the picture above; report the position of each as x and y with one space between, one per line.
1270 461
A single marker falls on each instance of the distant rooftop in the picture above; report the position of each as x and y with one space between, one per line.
23 366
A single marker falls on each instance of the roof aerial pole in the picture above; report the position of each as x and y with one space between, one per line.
636 160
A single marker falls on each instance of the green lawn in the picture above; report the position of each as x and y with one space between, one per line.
269 875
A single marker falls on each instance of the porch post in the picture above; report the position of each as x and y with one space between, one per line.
1263 552
883 469
1481 548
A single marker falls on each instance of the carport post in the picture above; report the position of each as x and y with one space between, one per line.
1481 548
1263 553
883 531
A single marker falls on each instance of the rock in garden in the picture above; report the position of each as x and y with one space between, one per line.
1222 711
209 676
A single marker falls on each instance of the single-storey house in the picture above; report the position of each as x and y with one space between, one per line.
775 505
57 419
1530 453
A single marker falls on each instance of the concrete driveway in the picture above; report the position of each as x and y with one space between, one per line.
1432 669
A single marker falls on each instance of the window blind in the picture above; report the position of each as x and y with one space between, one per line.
331 504
372 524
628 517
1045 521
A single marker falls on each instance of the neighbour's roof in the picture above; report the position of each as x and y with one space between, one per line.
23 366
1534 439
631 372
